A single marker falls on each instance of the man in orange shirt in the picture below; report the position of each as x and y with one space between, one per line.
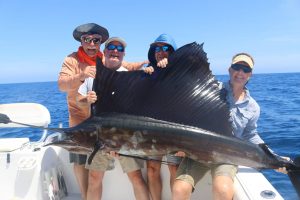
76 67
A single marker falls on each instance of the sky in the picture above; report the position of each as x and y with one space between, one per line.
36 36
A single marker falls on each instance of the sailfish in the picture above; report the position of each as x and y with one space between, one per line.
179 108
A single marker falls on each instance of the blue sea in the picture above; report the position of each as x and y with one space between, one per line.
277 94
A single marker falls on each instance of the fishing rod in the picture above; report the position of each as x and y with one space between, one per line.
4 119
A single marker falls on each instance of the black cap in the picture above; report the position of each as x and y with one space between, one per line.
90 28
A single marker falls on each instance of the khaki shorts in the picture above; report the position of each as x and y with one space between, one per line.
192 171
104 162
131 164
101 162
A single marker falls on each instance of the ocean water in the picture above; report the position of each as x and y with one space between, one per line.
277 94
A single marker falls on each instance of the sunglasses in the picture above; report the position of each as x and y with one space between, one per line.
238 67
112 47
162 48
89 40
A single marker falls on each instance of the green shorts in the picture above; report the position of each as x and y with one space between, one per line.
173 160
79 159
104 162
192 171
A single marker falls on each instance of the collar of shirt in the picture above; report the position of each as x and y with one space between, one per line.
230 97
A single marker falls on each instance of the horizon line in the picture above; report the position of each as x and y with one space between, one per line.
6 83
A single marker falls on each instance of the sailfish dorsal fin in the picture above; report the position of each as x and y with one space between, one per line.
184 92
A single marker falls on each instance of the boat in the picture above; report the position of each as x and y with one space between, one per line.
30 171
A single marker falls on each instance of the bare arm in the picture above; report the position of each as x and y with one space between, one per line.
132 66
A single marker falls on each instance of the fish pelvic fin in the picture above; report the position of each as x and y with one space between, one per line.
98 145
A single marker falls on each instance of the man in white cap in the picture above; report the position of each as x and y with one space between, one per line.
114 53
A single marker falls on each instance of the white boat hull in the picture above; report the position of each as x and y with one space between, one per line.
32 174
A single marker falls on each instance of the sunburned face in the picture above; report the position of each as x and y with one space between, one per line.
114 54
159 55
239 77
91 44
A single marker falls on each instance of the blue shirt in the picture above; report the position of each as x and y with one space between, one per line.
244 115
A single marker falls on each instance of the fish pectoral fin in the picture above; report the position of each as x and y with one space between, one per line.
98 145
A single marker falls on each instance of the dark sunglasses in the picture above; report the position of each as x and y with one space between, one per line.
162 48
119 48
238 67
90 40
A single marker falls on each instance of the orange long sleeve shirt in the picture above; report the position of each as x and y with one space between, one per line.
69 82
